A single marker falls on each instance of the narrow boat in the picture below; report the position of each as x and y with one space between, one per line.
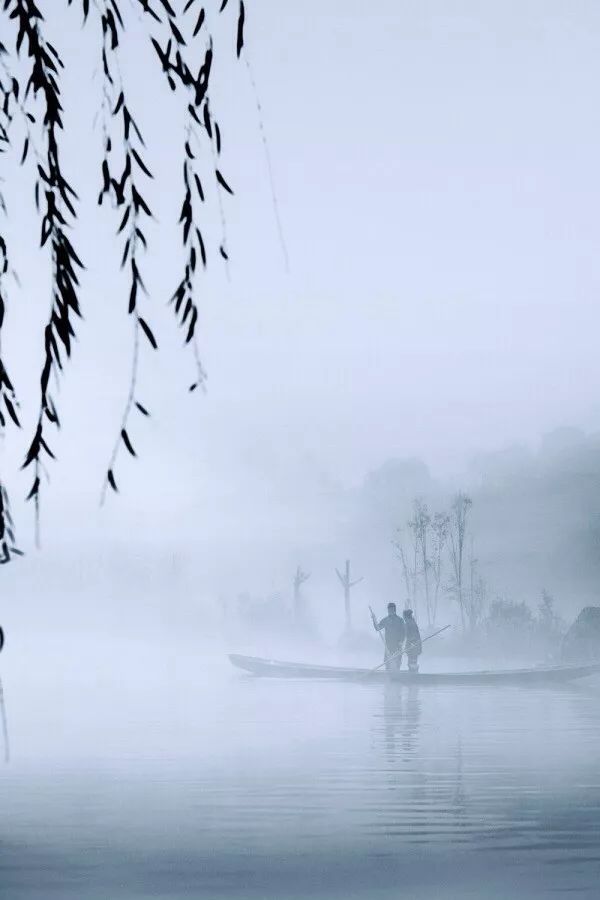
538 675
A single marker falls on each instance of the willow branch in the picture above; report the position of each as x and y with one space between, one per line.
56 196
124 190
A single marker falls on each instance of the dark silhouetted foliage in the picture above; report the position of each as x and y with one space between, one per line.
30 87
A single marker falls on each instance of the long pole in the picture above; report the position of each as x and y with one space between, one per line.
404 649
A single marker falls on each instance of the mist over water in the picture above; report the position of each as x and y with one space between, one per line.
436 166
153 769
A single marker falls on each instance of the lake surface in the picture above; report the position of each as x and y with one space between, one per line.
182 780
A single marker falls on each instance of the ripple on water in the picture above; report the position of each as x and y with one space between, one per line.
291 791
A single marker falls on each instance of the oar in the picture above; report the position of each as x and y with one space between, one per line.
4 725
404 649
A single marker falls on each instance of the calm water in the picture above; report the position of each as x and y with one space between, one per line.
183 783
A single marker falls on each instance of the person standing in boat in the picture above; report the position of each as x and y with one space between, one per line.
394 630
413 641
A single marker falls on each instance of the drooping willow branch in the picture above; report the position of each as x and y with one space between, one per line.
35 87
9 94
199 118
176 69
125 192
267 154
183 298
55 197
9 98
185 307
7 529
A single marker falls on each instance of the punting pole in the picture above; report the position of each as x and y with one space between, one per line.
404 649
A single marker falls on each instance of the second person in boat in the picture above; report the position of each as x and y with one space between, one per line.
413 641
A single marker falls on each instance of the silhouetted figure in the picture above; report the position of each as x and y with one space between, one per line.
395 632
413 641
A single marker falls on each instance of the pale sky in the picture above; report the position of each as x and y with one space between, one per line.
437 171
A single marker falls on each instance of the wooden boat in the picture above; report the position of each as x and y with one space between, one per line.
539 675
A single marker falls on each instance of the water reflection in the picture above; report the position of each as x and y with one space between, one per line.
297 791
420 798
401 711
459 795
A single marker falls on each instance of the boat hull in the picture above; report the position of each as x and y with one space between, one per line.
541 675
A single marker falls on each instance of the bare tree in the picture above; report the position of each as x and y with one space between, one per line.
409 573
413 527
477 592
347 584
299 579
413 556
459 512
439 536
421 523
550 623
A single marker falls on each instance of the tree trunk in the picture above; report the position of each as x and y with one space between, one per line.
347 597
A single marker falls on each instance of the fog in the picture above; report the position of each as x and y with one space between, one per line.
435 171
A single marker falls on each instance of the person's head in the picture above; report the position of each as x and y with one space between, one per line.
392 609
407 613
